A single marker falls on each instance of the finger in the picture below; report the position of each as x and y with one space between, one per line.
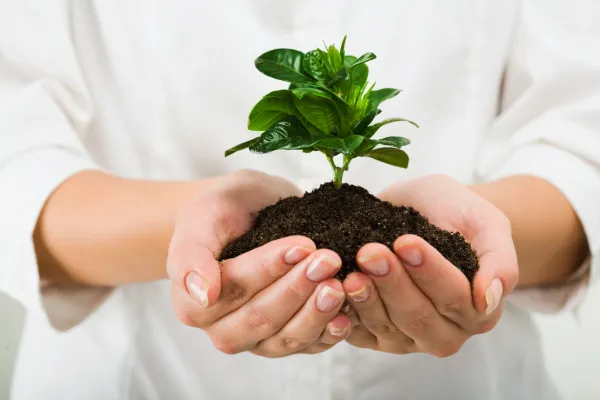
202 229
269 310
307 325
363 338
498 272
444 284
373 315
408 308
337 330
244 276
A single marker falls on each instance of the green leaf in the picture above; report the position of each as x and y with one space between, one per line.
346 146
319 111
288 134
363 59
313 65
360 127
390 156
366 146
272 108
340 76
313 130
343 48
349 61
240 146
371 130
309 89
283 64
394 141
376 97
325 60
335 58
352 142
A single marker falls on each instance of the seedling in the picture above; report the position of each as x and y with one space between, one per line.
328 107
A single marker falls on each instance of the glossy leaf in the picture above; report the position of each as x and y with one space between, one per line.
364 122
346 146
313 130
272 108
363 59
394 141
319 111
340 76
240 146
366 146
343 48
376 97
335 58
325 60
309 89
283 64
313 65
288 134
390 156
352 142
371 130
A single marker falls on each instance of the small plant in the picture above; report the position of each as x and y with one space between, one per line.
329 107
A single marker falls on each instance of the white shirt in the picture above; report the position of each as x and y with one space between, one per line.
159 89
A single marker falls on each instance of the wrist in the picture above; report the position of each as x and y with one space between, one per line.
101 229
548 236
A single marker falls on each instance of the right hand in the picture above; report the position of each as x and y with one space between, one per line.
273 301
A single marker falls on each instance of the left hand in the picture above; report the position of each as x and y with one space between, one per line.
413 300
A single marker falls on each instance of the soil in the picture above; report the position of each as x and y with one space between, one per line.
345 219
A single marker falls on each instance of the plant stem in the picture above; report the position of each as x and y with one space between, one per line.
338 172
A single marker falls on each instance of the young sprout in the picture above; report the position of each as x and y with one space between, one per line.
329 107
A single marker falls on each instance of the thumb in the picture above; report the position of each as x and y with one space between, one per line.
201 232
193 267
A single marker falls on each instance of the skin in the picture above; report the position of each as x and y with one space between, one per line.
281 299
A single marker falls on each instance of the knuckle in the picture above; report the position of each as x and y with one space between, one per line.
485 327
234 293
453 308
448 349
295 293
379 328
290 344
227 347
185 317
259 321
422 322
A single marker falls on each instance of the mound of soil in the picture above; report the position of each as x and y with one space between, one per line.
345 219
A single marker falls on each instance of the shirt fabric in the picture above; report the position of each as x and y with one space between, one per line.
159 89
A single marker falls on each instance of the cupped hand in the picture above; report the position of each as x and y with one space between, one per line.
274 301
413 300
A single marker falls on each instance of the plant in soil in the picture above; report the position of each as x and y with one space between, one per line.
330 107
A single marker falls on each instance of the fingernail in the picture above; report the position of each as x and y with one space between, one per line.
411 256
322 267
374 264
295 255
328 299
337 331
360 295
197 288
493 295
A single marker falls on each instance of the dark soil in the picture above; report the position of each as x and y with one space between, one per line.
343 220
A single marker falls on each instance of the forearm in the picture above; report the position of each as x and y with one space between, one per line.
547 233
103 230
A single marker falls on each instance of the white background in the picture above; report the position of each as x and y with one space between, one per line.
573 349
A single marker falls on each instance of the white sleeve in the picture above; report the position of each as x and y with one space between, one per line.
44 113
549 125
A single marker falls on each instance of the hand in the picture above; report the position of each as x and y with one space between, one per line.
273 301
413 300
